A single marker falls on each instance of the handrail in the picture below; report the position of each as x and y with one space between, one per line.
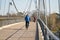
41 37
48 31
37 32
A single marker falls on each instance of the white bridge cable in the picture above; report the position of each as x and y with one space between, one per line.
29 5
0 3
35 1
15 5
4 6
26 5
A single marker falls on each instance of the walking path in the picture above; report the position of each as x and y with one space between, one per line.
19 32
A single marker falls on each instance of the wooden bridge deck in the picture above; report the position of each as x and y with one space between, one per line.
18 32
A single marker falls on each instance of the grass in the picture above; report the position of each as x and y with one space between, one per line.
55 30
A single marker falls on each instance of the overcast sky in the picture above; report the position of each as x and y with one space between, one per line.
24 4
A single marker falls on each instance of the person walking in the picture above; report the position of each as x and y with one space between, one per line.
27 20
34 18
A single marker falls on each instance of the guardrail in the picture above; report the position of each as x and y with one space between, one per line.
9 21
48 35
39 34
41 37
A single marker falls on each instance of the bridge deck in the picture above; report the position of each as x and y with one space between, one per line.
18 32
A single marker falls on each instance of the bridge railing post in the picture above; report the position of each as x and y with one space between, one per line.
59 34
45 34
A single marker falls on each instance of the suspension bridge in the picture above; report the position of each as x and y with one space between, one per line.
37 30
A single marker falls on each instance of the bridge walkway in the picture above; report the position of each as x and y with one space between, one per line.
19 32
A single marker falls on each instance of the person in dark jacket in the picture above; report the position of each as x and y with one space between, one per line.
34 18
27 20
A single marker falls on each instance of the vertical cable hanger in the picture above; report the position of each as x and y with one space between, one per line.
4 6
44 9
28 9
29 5
59 5
25 8
0 3
35 1
49 11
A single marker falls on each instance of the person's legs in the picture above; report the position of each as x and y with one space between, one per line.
26 25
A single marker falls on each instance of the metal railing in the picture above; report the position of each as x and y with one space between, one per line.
9 21
39 34
48 35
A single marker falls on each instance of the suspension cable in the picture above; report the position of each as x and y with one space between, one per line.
26 6
59 5
0 3
29 5
15 6
4 7
35 1
28 9
44 9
